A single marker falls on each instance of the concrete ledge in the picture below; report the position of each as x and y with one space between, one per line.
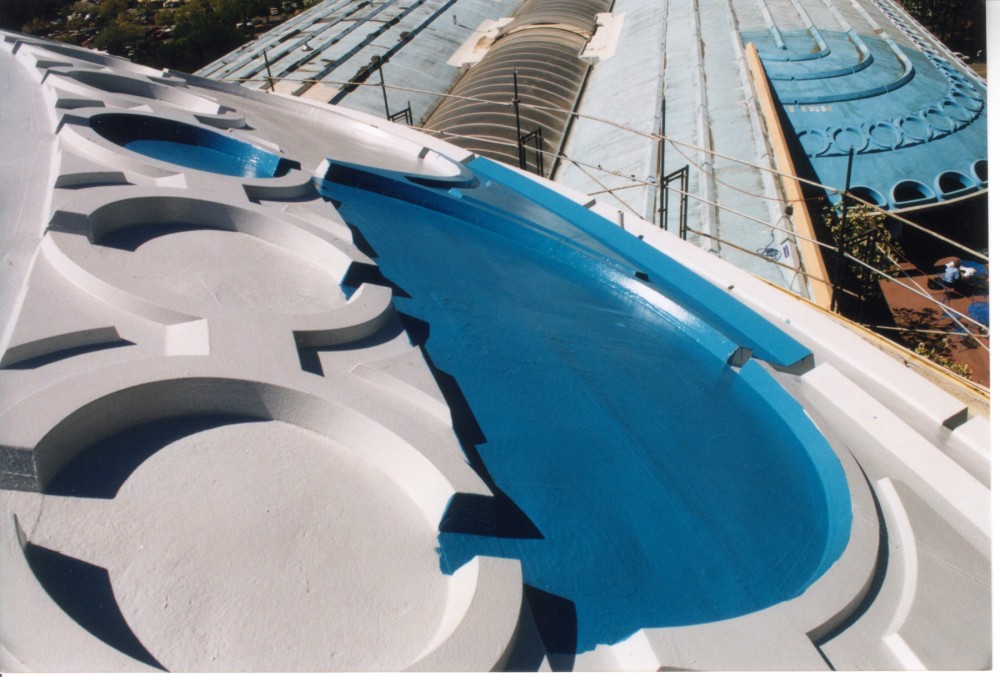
969 445
22 349
922 404
24 647
921 575
879 438
75 171
797 625
395 387
486 618
367 311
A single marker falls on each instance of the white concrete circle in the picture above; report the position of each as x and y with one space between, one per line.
227 269
263 546
113 83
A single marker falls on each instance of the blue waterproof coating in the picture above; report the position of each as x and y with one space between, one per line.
188 145
640 478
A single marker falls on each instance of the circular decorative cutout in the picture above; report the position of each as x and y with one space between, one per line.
814 142
234 270
938 121
144 88
952 109
846 138
172 255
910 193
188 145
332 568
968 90
965 101
93 56
980 169
954 184
915 128
885 135
260 527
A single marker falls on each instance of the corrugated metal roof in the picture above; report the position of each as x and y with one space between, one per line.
314 53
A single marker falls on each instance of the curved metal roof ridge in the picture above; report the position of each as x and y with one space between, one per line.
569 28
576 13
542 45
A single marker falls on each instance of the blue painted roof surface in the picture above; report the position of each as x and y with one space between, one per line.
916 123
709 302
590 405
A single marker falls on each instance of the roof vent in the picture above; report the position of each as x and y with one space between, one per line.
869 195
980 169
910 193
954 184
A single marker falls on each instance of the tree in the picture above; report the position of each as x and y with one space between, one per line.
960 25
109 10
119 37
203 32
865 237
939 352
17 14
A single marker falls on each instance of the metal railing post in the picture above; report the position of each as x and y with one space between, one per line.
841 247
521 159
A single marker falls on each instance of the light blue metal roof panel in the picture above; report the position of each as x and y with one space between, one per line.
369 26
739 186
248 60
748 14
820 13
334 41
714 111
617 89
